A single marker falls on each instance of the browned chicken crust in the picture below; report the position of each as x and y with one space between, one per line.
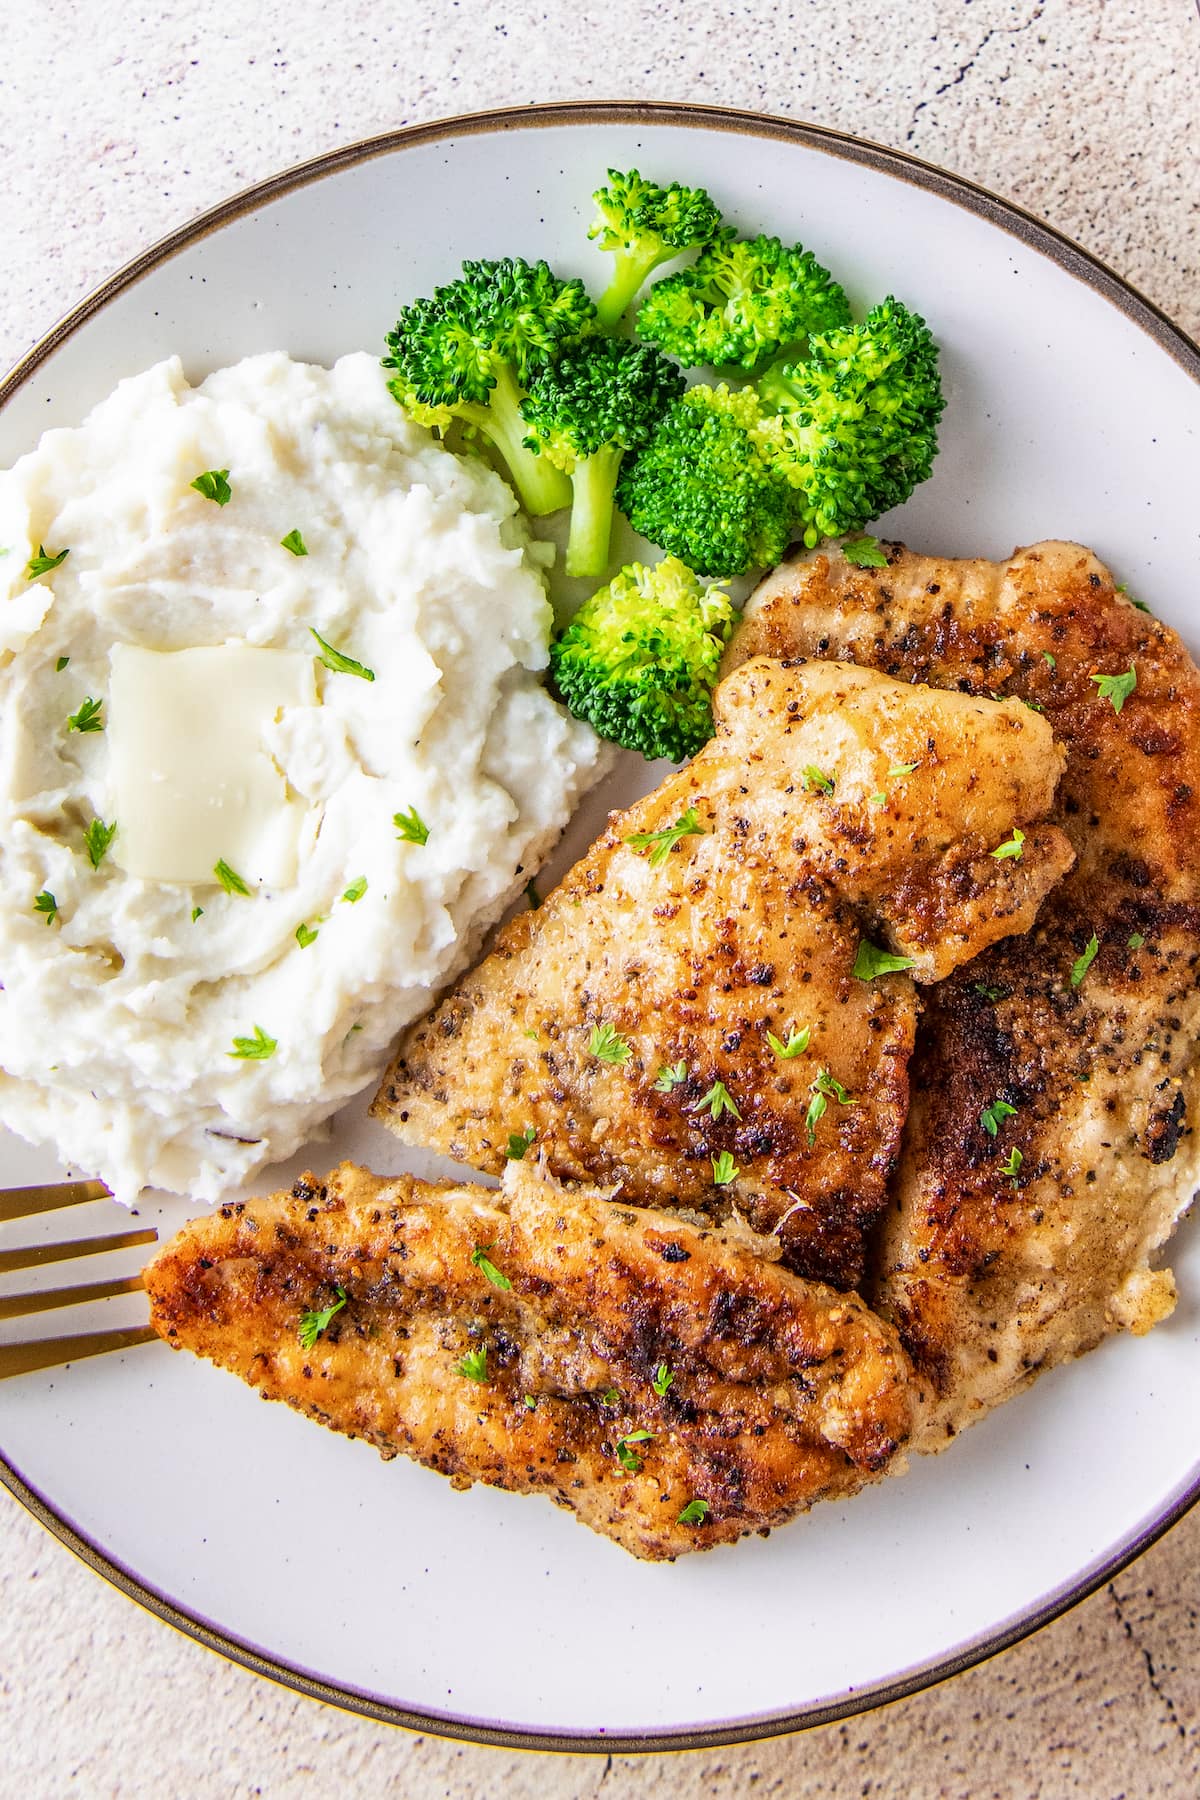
603 1022
996 1265
776 1392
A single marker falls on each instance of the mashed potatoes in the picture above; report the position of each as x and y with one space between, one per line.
182 1032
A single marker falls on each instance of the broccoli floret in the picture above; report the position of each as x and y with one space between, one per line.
469 351
598 399
855 426
705 489
741 302
639 660
817 449
643 225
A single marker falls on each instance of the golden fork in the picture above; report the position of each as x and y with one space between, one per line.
48 1353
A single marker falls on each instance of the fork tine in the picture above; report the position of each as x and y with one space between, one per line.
48 1353
16 1306
34 1256
23 1202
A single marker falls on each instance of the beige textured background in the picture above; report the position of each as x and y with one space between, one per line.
119 123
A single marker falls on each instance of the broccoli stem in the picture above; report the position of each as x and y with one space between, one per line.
630 269
775 390
541 488
593 485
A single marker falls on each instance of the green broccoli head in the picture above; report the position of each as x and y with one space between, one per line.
855 426
639 660
706 487
643 225
469 350
598 392
742 301
599 398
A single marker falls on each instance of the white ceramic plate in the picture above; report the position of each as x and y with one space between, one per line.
1074 411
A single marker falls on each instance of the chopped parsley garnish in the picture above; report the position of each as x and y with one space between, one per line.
992 1115
823 1089
661 843
46 903
864 552
355 891
306 935
797 1044
295 543
1123 588
61 664
1011 1166
694 1513
98 837
1014 846
197 913
214 485
671 1075
628 1458
872 961
661 1379
1116 688
1140 604
898 769
531 1031
411 826
990 993
1136 940
41 564
718 1100
87 718
229 878
724 1169
1083 963
314 1323
519 1142
608 1044
812 777
254 1049
876 799
486 1267
531 1401
474 1365
1049 659
340 664
610 1397
533 897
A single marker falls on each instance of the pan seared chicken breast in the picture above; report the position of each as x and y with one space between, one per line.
1052 1140
672 1388
698 1015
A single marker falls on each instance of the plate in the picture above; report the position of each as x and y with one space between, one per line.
1074 411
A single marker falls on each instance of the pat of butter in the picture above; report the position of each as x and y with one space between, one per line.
191 781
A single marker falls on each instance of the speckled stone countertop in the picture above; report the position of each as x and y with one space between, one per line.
120 123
